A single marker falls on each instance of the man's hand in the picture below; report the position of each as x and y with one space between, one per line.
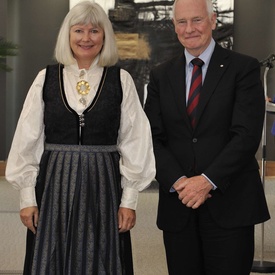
29 217
126 219
193 192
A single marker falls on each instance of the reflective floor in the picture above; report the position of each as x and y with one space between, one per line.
148 250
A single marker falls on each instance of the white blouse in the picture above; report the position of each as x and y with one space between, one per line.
137 163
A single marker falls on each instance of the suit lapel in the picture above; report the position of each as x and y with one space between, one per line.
217 66
176 77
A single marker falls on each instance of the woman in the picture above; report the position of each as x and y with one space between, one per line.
81 153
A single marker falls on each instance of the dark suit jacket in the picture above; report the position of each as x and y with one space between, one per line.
222 145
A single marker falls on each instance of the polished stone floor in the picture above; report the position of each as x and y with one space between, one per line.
148 250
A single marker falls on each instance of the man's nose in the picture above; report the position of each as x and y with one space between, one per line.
189 26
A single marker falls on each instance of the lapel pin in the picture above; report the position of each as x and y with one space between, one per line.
221 65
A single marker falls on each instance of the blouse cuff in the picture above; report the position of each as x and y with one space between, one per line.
129 198
27 197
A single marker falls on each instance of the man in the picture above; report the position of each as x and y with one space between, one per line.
210 192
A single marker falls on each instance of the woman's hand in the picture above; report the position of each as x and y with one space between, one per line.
126 219
29 217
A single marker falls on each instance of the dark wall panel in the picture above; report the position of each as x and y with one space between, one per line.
34 25
3 33
254 35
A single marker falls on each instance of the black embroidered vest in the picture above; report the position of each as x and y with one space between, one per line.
99 123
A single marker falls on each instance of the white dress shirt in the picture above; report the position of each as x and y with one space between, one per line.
205 57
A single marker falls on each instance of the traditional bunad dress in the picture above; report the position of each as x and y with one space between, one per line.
79 157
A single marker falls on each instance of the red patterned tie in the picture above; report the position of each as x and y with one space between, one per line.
195 88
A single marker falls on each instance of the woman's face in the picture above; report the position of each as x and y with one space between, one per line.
86 42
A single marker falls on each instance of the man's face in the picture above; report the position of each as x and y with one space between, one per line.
193 25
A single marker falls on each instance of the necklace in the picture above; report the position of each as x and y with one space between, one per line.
83 88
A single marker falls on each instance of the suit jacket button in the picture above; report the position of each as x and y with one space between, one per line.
194 140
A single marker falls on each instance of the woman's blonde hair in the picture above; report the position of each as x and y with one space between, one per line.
84 13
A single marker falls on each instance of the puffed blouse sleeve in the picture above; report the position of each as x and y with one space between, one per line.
27 145
137 162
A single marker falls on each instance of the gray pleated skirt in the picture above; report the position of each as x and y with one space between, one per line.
78 194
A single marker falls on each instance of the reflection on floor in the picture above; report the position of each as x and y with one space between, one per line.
148 250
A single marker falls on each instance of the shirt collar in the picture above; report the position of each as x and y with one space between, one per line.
205 56
73 68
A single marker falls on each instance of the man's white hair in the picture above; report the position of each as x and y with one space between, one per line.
209 6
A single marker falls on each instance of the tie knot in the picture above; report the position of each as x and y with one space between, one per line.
197 61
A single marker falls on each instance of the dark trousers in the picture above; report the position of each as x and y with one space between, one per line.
204 248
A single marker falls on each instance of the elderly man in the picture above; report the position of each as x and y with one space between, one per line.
206 110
